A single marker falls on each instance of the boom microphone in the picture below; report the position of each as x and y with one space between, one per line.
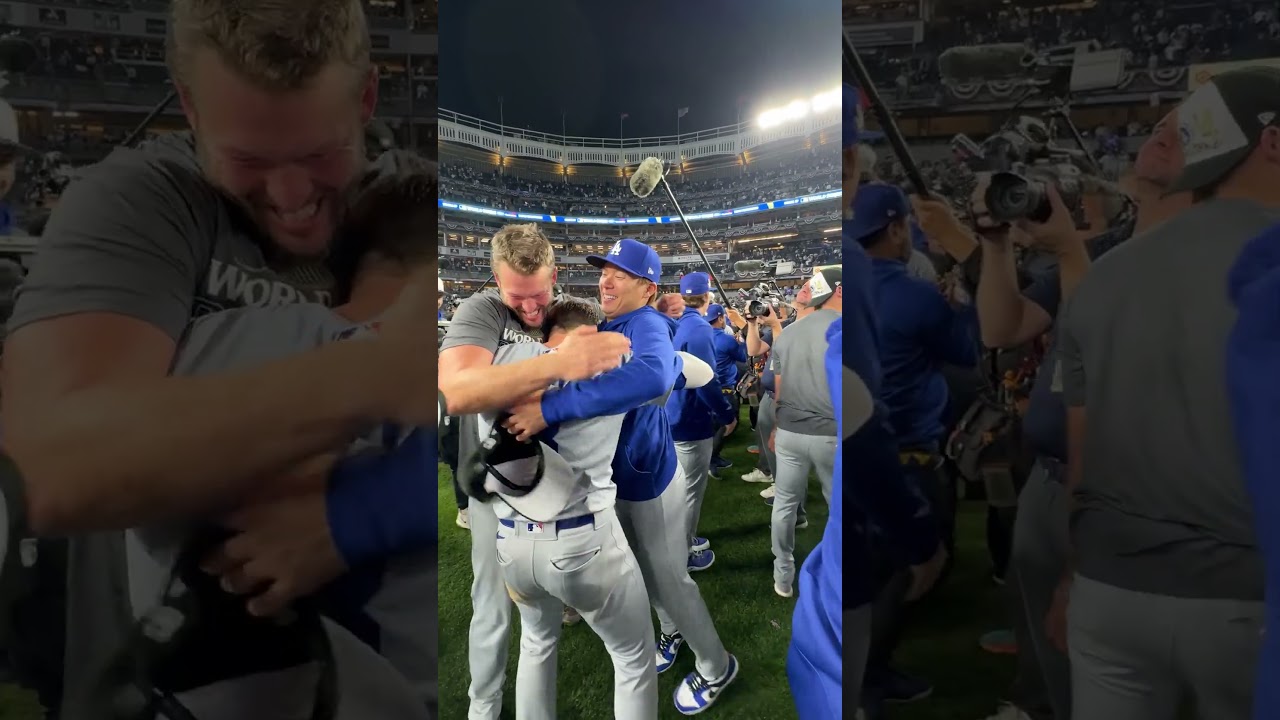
646 178
748 266
984 62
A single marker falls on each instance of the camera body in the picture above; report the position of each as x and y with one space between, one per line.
1024 163
762 299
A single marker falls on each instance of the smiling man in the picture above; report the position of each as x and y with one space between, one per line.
242 211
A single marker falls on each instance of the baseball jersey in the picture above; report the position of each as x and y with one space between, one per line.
586 445
397 597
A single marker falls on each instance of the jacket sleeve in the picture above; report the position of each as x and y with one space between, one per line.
649 374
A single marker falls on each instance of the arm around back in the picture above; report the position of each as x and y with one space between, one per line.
104 437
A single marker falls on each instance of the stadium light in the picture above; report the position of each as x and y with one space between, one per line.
798 109
831 230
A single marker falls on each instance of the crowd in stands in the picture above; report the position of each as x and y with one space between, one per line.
805 254
1153 35
81 58
424 12
811 173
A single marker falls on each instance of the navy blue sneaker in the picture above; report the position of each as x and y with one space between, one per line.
721 463
668 648
700 543
701 560
696 693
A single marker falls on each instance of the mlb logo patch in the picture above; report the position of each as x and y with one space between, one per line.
535 528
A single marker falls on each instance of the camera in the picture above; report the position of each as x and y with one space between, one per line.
762 299
1024 162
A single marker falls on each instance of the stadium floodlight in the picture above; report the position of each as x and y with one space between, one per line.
798 109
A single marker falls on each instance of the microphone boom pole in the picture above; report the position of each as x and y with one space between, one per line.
853 66
724 297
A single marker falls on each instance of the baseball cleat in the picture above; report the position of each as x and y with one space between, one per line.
696 693
668 649
758 476
700 543
783 590
701 560
767 492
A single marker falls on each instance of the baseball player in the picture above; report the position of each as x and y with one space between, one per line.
696 414
651 496
561 543
376 520
524 269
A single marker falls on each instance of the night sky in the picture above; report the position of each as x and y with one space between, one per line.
597 59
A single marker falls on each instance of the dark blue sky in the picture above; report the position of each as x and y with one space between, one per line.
596 59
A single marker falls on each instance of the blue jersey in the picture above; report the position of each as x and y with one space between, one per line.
1253 354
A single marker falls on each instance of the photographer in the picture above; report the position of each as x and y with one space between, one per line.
761 330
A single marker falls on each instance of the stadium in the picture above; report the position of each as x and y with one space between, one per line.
1107 89
762 197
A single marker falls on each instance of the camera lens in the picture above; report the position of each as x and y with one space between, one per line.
1011 197
755 308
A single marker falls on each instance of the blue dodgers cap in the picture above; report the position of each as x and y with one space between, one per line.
695 283
851 108
714 312
875 207
632 256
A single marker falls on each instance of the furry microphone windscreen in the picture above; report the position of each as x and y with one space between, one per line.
646 177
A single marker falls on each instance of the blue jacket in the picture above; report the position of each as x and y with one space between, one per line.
672 324
1253 354
729 352
695 414
646 458
815 661
878 494
919 333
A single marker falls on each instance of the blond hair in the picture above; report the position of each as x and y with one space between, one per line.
278 45
523 248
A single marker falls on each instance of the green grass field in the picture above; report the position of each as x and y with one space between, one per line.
754 623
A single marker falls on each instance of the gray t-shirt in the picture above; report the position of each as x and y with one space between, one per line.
1161 507
798 358
482 320
142 234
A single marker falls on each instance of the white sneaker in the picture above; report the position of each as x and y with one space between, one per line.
1008 711
783 590
758 476
767 492
462 520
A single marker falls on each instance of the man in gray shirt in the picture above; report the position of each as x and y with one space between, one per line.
805 436
1166 599
150 238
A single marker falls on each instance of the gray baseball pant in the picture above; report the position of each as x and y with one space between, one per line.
591 569
488 637
694 459
1037 560
1139 656
655 530
797 454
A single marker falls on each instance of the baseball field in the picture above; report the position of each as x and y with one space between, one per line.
754 623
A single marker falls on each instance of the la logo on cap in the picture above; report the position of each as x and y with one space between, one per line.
617 248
